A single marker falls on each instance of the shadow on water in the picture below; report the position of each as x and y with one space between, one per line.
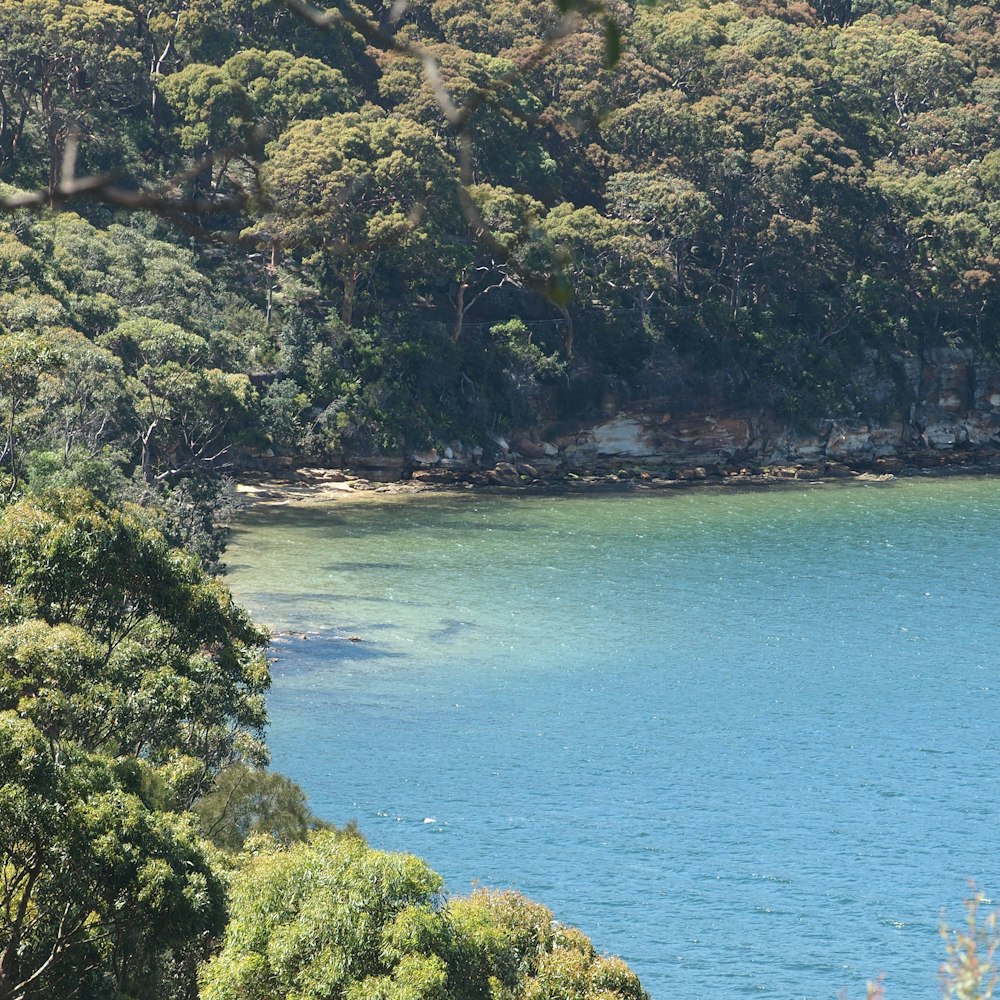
265 598
366 520
450 629
362 567
369 599
324 650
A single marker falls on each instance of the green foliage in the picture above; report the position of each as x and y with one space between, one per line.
528 360
115 642
128 680
281 88
774 189
100 892
352 191
322 919
249 802
210 107
68 66
332 917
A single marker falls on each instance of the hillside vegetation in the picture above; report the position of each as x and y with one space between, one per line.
774 190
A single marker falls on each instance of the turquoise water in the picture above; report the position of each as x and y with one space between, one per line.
746 740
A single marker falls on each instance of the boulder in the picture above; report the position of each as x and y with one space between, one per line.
428 457
849 442
838 469
528 448
437 475
504 474
943 435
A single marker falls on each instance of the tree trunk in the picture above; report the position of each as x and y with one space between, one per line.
347 306
147 454
54 157
272 276
568 338
459 309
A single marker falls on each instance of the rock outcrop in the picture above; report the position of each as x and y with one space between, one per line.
947 410
943 410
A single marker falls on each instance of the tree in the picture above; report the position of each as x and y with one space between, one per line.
349 190
85 404
250 802
99 892
211 109
24 359
187 416
128 679
899 69
332 917
112 641
597 263
493 28
505 139
675 214
72 67
282 88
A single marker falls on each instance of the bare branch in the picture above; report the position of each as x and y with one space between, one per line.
184 213
159 201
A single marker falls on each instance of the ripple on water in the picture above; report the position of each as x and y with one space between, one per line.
745 740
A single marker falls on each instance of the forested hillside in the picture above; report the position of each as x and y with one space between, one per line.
771 190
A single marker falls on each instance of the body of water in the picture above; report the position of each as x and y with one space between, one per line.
747 740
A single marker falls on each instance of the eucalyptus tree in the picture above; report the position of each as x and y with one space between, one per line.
355 192
68 69
101 895
128 680
186 414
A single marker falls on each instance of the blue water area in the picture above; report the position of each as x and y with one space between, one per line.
746 740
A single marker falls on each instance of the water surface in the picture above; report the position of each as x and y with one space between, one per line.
746 740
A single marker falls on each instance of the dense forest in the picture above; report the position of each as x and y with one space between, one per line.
233 234
799 197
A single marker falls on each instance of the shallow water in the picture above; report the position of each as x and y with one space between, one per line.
746 740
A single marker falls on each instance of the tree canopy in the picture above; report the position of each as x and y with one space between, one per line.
128 681
333 918
772 191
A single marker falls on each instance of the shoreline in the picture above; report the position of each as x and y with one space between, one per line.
312 485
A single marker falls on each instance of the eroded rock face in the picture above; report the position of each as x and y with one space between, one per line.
949 409
955 410
651 434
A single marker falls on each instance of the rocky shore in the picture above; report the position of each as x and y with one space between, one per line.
677 432
311 484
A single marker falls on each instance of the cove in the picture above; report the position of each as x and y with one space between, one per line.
746 740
